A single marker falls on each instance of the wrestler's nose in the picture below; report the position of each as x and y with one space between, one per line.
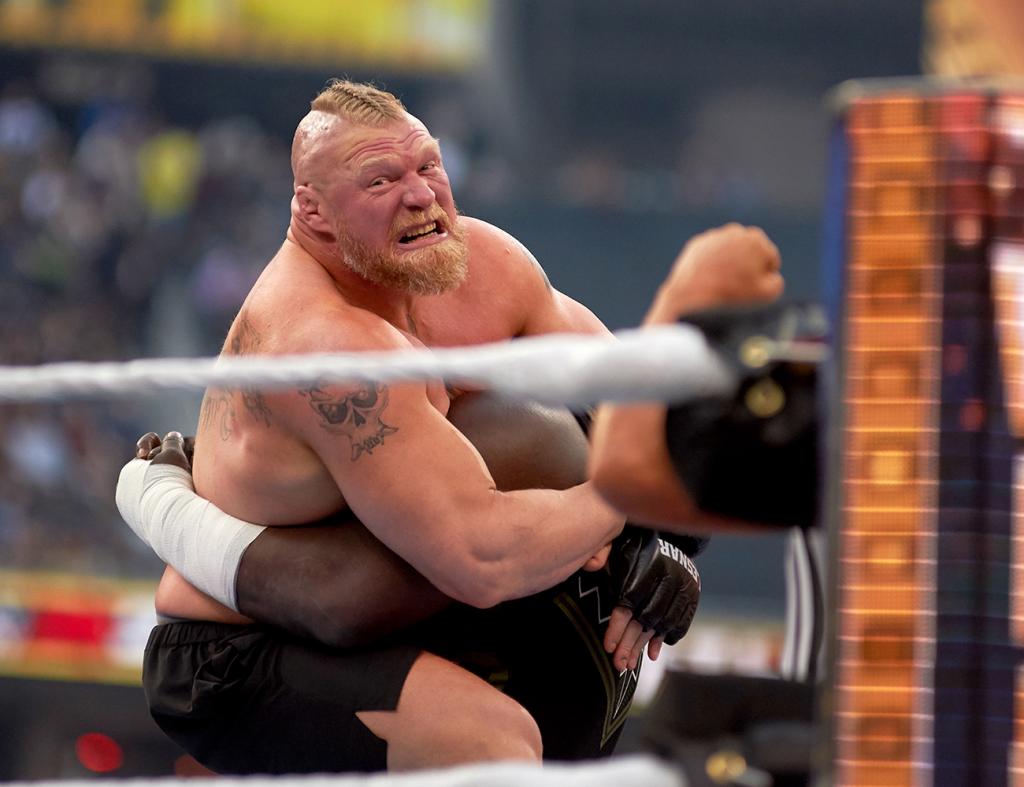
418 193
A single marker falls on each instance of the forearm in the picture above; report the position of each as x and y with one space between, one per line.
629 460
523 542
631 468
185 531
673 300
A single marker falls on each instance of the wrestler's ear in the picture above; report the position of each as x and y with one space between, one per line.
308 209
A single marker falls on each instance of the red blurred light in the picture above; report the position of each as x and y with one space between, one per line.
99 753
86 628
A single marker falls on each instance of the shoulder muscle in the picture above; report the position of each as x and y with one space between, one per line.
504 252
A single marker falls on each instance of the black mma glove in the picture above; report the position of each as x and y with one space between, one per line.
656 580
691 544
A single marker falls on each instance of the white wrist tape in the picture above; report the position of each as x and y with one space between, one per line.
188 532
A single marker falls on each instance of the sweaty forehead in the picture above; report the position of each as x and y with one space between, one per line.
315 124
363 144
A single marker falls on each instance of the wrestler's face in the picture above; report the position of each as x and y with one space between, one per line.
393 209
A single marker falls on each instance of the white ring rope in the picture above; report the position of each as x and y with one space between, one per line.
667 364
631 771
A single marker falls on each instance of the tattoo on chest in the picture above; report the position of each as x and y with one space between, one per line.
357 416
245 340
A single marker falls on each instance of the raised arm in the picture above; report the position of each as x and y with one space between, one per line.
630 463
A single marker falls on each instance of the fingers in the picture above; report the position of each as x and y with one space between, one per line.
773 258
621 616
773 287
768 284
727 265
631 647
630 644
172 452
624 651
637 652
626 639
174 441
172 449
146 444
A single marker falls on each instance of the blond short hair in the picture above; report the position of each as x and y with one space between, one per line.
359 103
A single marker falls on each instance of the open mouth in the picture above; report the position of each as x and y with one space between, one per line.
431 230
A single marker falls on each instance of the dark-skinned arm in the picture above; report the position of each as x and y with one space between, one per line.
335 582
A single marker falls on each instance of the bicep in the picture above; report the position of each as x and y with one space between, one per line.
402 468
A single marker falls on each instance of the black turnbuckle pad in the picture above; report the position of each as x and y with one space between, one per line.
754 455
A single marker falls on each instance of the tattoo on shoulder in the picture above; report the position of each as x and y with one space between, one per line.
358 415
256 404
245 340
217 412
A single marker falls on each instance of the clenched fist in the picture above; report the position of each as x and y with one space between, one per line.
726 266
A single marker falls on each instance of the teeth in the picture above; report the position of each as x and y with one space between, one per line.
425 231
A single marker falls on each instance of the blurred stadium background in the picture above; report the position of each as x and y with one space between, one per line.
144 181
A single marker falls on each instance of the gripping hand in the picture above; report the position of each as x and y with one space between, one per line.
656 580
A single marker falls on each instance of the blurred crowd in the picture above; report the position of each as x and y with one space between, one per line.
110 222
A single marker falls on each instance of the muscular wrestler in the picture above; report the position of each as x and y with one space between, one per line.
377 258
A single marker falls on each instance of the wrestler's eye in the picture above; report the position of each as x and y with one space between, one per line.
430 165
378 181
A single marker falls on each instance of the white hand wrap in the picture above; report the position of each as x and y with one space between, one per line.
188 532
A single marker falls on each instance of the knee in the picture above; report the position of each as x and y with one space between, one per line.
447 716
510 733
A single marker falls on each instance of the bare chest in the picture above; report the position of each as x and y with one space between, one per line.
249 461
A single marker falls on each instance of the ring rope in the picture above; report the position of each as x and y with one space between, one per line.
665 363
636 770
